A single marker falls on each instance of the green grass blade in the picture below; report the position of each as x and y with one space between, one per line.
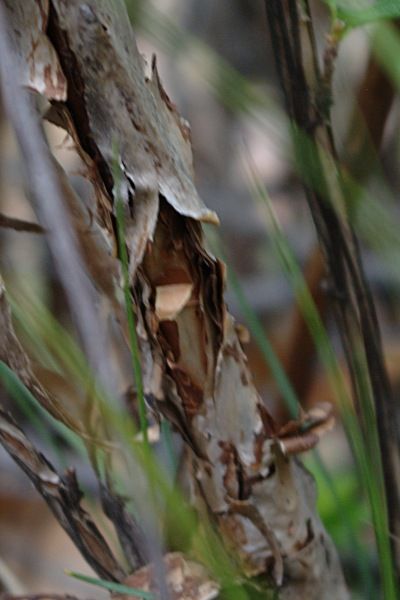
37 416
131 318
385 42
27 404
366 450
206 544
354 14
116 588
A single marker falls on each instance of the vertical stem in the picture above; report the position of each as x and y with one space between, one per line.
354 308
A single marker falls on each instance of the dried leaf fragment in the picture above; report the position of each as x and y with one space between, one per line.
171 299
186 580
304 434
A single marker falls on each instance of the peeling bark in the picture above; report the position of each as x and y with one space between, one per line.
241 470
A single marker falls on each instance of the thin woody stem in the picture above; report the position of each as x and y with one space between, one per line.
354 308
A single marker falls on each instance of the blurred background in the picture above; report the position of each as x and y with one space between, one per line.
216 64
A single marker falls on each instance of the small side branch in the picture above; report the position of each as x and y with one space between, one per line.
20 225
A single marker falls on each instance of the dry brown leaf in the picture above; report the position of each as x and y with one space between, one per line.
303 434
186 580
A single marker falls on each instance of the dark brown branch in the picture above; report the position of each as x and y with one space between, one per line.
20 225
354 307
372 108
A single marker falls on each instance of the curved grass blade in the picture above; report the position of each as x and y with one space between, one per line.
117 588
36 414
365 444
131 318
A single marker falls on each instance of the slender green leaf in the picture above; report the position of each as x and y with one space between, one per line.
355 13
117 588
385 41
365 444
39 418
123 254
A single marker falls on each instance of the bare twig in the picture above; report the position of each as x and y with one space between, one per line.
19 225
